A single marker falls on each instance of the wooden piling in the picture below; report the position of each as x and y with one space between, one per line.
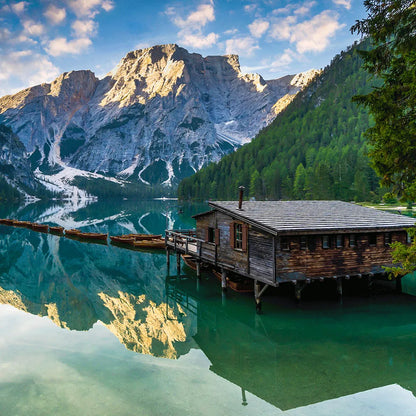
257 298
224 280
339 286
168 260
178 263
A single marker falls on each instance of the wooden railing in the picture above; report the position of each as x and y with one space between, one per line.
185 241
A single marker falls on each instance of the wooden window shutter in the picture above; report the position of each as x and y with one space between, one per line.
217 236
206 234
232 234
245 237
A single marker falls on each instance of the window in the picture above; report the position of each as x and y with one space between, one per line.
409 238
284 243
312 243
238 236
211 235
353 240
372 239
302 242
326 241
340 241
387 239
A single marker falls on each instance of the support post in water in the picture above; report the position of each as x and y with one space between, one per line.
339 286
257 296
178 264
198 269
223 280
299 286
258 291
168 260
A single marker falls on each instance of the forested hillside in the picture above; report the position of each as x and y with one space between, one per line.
315 149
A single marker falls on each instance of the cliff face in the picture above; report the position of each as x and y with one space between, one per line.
159 116
14 165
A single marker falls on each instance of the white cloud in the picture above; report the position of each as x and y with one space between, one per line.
284 10
203 14
191 33
89 8
305 8
310 35
26 68
231 32
199 41
249 8
61 46
84 28
244 46
33 28
314 35
345 3
5 35
19 7
258 27
55 15
9 38
107 5
283 60
283 28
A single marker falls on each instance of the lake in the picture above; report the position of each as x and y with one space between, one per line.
90 329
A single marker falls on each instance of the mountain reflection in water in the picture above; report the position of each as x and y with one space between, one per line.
292 356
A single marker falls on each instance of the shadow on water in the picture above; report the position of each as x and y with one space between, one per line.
291 356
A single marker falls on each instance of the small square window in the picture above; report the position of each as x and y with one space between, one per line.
303 242
211 235
372 239
353 240
326 241
409 238
387 239
340 241
311 243
284 243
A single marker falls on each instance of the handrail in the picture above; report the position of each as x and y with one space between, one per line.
181 235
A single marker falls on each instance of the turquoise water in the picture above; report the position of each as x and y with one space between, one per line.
89 329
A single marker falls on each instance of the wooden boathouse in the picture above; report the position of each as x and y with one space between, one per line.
273 242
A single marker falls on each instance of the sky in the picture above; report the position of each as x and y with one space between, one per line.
41 39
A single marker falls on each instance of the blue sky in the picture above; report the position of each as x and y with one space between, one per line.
41 39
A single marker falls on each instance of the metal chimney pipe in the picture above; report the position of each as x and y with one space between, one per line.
240 199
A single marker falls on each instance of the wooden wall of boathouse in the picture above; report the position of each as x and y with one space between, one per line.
317 262
256 261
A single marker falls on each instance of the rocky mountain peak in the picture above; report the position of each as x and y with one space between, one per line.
74 85
160 115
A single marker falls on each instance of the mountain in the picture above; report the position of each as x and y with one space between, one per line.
315 149
16 176
159 116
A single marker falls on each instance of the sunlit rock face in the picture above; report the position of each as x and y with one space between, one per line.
159 116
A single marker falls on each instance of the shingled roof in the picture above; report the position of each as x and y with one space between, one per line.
280 217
